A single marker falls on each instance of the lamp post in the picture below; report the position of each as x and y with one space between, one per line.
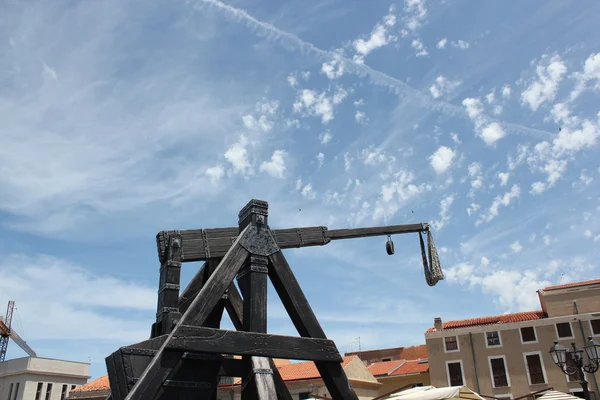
592 349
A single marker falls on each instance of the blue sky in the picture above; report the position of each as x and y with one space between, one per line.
121 119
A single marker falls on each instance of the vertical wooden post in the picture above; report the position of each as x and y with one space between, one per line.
167 313
252 279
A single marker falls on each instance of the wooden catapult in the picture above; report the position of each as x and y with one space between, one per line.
188 353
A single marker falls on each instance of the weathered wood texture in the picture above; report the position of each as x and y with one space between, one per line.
198 312
210 340
306 323
201 244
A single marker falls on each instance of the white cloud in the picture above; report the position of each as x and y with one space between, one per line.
308 192
325 137
237 155
333 69
550 72
461 44
445 205
492 133
395 194
419 47
455 138
443 86
442 159
347 161
490 97
292 80
506 91
476 176
547 240
503 176
215 173
64 302
276 166
503 200
587 233
415 13
591 72
515 290
474 107
473 208
320 159
360 116
379 36
516 247
442 43
373 156
318 104
49 73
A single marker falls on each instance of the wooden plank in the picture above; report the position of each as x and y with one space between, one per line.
219 240
306 323
221 341
264 383
158 371
120 374
113 378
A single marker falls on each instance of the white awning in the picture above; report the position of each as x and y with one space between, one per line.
433 393
556 395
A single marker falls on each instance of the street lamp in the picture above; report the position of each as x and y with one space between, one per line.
592 349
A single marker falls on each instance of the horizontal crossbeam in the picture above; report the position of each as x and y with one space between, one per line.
202 244
210 340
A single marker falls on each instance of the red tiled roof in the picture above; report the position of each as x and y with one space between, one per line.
497 319
301 370
383 367
97 384
411 367
572 284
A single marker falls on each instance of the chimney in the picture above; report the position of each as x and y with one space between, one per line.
437 324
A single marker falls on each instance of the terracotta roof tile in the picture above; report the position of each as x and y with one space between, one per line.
572 284
301 370
497 319
97 384
411 367
383 367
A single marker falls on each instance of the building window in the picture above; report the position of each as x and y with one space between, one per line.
63 394
386 359
16 391
528 334
498 371
38 392
451 343
535 369
563 330
304 396
455 375
48 391
595 324
72 387
577 393
493 339
10 389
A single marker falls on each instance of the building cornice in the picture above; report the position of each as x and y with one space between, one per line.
510 325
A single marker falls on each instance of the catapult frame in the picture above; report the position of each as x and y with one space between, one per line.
188 352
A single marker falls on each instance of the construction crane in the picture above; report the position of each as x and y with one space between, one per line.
6 333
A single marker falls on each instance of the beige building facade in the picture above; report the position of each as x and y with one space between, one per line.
33 378
507 356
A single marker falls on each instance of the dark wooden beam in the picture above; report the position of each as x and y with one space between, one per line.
198 312
221 341
201 244
235 307
306 323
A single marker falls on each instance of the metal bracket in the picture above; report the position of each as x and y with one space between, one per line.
205 241
259 242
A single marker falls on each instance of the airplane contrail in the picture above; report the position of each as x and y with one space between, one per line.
376 77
